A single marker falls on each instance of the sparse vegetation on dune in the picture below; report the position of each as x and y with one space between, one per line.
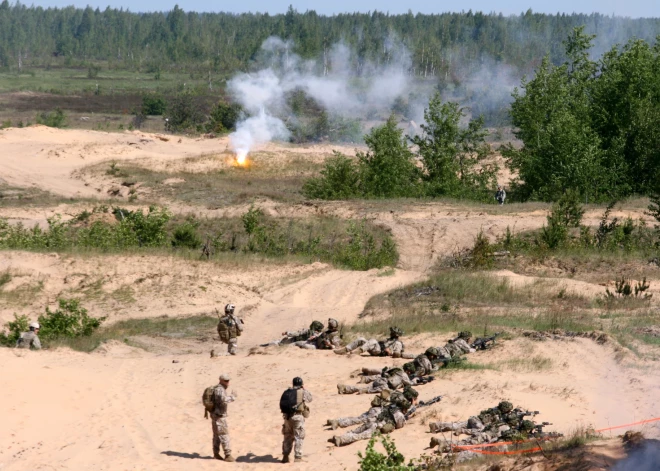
355 245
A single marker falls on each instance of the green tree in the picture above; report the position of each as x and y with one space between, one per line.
453 157
387 169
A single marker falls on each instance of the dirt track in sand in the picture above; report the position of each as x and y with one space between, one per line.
122 408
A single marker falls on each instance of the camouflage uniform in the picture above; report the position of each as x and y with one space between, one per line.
423 366
293 430
376 348
233 329
297 338
219 420
389 419
29 340
394 378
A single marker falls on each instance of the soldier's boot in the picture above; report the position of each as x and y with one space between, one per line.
435 428
408 356
332 440
341 389
334 424
435 441
341 351
285 459
229 459
217 456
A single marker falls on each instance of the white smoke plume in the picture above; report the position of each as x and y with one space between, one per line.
330 81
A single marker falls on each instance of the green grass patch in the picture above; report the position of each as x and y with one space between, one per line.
179 327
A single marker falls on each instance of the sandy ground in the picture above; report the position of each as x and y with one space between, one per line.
123 408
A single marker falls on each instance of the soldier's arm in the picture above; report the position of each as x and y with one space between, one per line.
307 396
36 343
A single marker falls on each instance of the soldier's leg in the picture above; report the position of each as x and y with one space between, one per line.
377 386
216 437
356 344
298 434
223 436
232 346
369 378
408 356
372 347
364 432
371 371
447 426
287 441
305 344
350 389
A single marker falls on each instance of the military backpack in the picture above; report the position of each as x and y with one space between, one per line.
208 400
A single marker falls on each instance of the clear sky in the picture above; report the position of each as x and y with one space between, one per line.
632 8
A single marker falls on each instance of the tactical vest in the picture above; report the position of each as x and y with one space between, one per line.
228 328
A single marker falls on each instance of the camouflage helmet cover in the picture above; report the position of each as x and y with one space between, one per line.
432 352
316 326
409 367
229 308
396 332
410 393
333 323
465 334
527 426
505 406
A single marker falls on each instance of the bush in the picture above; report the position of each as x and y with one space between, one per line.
183 113
185 235
14 329
339 180
153 105
54 119
392 460
362 251
223 117
69 320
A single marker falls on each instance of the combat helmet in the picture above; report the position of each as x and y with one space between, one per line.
409 368
333 324
505 407
229 308
396 332
410 393
465 335
432 352
316 326
526 426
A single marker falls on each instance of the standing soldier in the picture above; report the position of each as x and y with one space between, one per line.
220 399
30 339
293 405
230 328
500 195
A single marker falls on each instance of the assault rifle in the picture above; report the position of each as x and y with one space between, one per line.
538 428
430 402
524 413
423 379
482 343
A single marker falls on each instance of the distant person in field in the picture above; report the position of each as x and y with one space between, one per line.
30 339
500 195
230 328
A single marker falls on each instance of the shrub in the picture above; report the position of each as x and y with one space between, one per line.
223 117
362 252
185 235
14 329
392 460
153 105
339 180
183 113
54 119
481 254
70 320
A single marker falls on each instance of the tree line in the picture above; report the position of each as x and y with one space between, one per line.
442 46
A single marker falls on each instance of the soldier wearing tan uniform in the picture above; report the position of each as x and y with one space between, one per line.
293 428
230 328
221 399
391 347
390 378
30 339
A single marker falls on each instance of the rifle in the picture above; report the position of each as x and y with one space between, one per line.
424 379
430 402
538 428
524 413
481 343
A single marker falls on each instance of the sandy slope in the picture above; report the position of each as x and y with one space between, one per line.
122 408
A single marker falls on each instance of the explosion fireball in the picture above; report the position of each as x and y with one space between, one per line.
241 157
